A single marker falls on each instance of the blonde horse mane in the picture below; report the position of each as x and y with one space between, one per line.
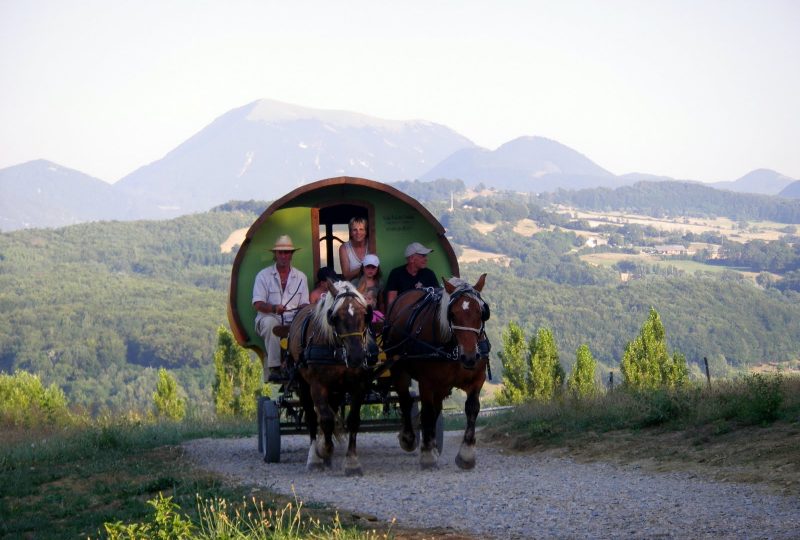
319 316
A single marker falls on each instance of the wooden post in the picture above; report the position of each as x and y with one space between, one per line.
708 374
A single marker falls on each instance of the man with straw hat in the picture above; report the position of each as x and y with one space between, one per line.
278 292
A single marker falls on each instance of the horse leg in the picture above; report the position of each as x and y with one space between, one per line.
465 458
407 437
352 467
327 422
430 411
313 461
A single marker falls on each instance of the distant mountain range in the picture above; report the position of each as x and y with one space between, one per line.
266 148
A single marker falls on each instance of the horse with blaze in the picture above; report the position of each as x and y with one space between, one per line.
437 337
328 344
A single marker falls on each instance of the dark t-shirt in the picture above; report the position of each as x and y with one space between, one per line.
400 280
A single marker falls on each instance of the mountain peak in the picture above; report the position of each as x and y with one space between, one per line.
271 111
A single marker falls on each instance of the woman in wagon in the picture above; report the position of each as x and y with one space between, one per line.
352 252
415 274
370 281
278 292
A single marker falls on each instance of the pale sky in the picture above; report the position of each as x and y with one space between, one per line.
703 90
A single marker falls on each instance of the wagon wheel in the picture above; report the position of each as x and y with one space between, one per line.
270 432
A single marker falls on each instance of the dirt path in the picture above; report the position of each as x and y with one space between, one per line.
539 495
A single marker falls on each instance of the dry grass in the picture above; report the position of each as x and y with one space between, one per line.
235 238
745 429
763 455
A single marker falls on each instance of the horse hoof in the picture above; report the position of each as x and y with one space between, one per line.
327 462
429 459
315 467
409 444
465 458
354 471
464 464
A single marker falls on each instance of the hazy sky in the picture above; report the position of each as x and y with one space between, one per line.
704 90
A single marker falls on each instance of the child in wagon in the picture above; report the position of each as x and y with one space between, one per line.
369 280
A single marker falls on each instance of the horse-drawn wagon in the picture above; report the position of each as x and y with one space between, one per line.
316 217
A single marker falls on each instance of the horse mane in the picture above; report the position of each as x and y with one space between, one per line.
319 316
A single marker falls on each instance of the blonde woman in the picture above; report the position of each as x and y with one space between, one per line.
352 252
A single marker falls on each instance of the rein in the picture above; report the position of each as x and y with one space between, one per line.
431 299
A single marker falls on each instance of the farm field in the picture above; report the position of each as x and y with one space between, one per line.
756 230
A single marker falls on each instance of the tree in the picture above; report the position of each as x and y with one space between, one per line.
169 404
237 381
646 365
513 357
546 374
24 401
581 382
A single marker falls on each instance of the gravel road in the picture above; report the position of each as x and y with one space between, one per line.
513 496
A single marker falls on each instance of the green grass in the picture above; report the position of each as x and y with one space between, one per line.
67 482
757 399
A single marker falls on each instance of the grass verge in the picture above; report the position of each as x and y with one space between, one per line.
746 429
69 482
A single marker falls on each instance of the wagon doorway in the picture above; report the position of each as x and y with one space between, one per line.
331 231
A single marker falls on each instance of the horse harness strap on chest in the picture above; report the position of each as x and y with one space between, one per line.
415 347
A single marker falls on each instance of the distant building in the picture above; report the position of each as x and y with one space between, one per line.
670 249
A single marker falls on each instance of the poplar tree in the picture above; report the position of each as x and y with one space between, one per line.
167 400
581 382
237 379
545 372
515 370
646 364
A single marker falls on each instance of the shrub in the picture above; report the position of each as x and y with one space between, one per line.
24 401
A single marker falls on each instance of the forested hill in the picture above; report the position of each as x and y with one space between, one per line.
97 308
681 198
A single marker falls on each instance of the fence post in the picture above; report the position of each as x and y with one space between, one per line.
708 374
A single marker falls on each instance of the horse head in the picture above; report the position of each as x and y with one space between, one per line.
465 313
343 318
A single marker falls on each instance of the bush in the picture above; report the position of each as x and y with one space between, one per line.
25 402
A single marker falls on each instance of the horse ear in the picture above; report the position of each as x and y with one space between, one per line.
448 286
331 287
362 287
479 285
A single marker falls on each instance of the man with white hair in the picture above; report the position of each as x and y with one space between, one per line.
278 292
415 274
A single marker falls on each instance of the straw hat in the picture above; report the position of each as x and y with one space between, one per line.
284 243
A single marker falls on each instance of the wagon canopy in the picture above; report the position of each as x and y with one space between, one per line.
316 216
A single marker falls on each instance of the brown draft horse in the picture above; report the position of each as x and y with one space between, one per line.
437 337
328 343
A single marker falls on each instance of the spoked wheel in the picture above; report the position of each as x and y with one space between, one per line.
270 432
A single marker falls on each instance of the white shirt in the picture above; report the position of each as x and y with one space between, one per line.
267 288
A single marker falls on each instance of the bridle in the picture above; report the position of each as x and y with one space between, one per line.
469 291
340 352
